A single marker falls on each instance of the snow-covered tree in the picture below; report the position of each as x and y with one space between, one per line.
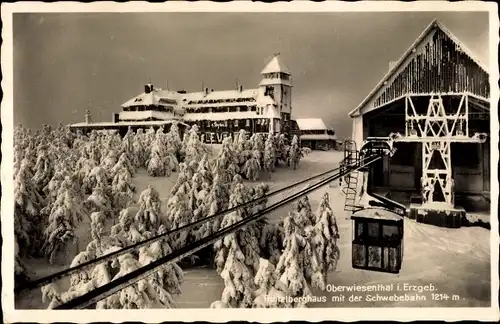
304 215
237 276
326 235
270 154
246 238
27 206
226 162
252 166
109 161
150 216
101 200
123 163
44 168
194 149
183 183
174 142
97 177
295 152
290 269
66 213
156 164
139 149
271 293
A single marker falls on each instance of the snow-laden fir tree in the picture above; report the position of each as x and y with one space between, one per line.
270 154
183 183
281 148
139 149
150 216
27 206
156 163
122 182
295 152
241 148
109 161
184 144
84 167
237 276
270 292
212 203
66 214
226 162
314 268
174 142
252 167
123 163
179 214
326 235
194 149
304 215
44 168
101 199
290 269
97 177
246 238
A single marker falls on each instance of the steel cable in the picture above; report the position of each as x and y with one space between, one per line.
118 284
50 278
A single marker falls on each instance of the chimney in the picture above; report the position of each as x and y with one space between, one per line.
206 91
240 88
148 88
392 64
88 118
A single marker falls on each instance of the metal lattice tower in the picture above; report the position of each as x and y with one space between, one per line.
436 130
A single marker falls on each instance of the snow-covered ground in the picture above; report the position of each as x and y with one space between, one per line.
456 261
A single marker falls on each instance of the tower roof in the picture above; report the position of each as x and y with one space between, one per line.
275 66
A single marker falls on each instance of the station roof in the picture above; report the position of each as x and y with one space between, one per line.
435 24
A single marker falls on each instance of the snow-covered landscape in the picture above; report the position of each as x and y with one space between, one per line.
79 197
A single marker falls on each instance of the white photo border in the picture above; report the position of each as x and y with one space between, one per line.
223 315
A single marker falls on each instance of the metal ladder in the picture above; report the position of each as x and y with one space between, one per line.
350 188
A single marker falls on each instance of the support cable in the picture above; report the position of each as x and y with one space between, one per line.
118 284
56 276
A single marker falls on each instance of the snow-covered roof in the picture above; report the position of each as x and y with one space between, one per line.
311 124
394 66
318 137
153 98
129 123
376 213
275 66
220 95
172 98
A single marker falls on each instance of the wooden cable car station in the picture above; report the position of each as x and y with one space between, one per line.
436 100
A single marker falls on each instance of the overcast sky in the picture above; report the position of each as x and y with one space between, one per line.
66 63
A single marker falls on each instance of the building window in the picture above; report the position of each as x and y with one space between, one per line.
248 123
269 91
236 122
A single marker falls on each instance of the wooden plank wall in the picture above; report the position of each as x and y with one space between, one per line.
439 66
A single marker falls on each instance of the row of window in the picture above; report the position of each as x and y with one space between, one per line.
278 75
215 101
318 132
166 109
204 110
228 123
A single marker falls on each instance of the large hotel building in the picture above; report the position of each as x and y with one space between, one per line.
218 114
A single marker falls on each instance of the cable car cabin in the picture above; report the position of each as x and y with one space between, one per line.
377 240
